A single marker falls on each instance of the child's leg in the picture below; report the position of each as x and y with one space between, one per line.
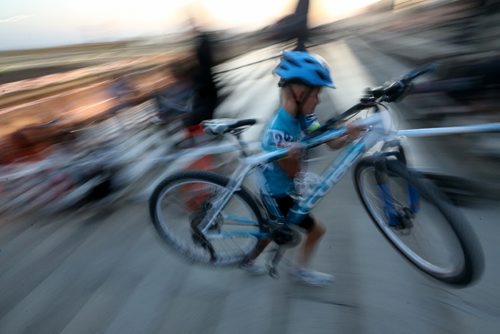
258 249
248 263
315 233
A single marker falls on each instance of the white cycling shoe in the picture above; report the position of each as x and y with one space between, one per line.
311 277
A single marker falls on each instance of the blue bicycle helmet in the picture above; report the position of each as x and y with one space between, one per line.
303 67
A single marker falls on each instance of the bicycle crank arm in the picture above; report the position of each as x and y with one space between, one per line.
275 260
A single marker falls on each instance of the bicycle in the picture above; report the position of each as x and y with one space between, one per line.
223 219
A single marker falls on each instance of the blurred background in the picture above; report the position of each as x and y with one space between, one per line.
101 100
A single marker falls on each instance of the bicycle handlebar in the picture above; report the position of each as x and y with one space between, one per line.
387 93
393 91
412 75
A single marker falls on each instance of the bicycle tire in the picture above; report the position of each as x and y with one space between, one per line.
454 233
192 190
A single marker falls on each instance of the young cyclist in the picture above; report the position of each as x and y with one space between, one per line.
302 76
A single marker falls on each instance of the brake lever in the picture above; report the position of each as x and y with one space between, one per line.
367 99
395 91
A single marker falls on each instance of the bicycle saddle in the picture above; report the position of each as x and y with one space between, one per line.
225 125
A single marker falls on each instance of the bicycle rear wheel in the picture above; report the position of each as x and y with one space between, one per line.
418 221
181 202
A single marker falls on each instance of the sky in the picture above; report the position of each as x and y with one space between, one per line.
40 23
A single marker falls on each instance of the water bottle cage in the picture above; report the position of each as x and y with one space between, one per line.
305 183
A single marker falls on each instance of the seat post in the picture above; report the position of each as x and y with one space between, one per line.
242 144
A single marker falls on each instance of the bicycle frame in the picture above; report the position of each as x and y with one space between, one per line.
379 128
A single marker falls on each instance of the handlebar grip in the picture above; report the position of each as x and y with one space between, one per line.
396 89
418 72
376 92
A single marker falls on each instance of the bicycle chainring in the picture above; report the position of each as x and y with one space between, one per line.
286 236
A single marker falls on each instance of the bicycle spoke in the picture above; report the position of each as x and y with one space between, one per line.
425 237
183 206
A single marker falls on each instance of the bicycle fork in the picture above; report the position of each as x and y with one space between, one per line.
219 203
390 211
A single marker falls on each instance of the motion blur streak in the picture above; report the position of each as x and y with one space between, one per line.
87 130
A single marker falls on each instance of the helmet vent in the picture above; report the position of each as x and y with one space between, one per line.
293 62
322 75
305 68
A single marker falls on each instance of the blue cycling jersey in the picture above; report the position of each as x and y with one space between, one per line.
283 130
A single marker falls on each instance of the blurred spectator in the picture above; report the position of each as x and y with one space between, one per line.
32 142
193 91
122 90
193 95
175 101
301 12
206 97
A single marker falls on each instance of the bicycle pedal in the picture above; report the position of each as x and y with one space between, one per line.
397 226
273 272
402 225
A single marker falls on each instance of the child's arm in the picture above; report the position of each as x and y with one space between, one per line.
352 134
291 164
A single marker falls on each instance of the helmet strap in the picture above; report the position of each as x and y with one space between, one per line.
300 102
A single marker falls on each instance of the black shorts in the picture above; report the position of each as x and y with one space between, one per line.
286 203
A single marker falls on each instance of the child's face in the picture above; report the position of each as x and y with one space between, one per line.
311 101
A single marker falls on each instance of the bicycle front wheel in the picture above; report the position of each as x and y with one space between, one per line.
179 207
418 221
